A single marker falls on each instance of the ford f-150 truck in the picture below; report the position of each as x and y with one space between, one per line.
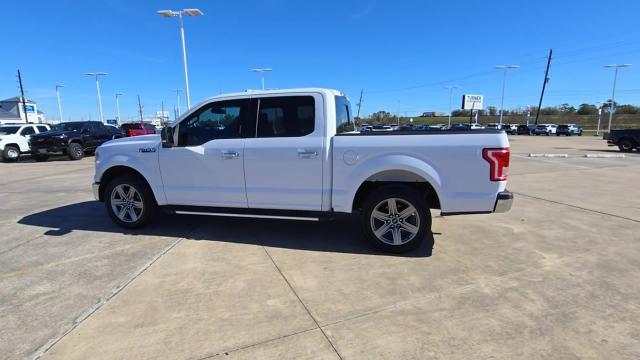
295 154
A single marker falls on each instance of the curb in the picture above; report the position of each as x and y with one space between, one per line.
550 155
604 155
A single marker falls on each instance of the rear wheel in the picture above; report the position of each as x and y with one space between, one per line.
10 153
396 218
129 201
75 151
626 145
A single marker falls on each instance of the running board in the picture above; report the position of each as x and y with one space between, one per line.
249 213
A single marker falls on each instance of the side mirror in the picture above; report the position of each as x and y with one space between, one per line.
167 137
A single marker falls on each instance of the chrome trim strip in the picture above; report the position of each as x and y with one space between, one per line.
248 215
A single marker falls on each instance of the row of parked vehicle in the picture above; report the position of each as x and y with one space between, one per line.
73 139
512 129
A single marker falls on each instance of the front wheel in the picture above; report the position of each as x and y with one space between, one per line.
75 151
10 153
129 201
625 145
395 219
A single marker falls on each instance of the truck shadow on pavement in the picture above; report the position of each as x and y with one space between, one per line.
343 235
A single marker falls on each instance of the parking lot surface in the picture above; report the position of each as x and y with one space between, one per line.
556 277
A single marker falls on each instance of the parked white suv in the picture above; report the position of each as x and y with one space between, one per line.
294 154
14 139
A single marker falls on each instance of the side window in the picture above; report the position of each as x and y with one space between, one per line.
286 116
217 120
28 130
42 128
344 118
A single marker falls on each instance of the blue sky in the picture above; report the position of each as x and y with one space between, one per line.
402 53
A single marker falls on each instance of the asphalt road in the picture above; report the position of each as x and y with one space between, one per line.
557 277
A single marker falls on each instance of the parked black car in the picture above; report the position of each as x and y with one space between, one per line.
70 138
524 129
626 139
568 130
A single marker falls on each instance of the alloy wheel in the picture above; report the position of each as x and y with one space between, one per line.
126 203
395 221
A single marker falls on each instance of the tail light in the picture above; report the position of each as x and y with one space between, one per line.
498 159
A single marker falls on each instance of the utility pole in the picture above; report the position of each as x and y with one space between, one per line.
140 109
612 106
360 104
544 84
24 100
178 98
118 106
450 88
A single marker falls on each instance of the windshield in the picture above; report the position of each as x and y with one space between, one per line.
67 127
8 130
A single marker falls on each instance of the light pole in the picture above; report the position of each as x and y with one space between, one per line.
262 71
612 106
58 87
178 91
179 14
118 105
451 88
504 80
96 74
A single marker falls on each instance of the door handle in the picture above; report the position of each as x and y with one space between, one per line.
230 154
307 154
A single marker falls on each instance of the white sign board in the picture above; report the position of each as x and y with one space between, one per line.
472 102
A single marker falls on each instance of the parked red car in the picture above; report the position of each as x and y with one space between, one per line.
135 129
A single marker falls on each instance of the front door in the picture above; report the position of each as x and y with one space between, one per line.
205 166
283 163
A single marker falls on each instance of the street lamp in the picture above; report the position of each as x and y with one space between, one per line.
451 88
612 106
118 106
96 75
504 80
58 87
262 71
179 14
178 91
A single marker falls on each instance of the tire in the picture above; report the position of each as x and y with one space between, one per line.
580 133
626 145
548 133
10 153
40 157
402 234
75 151
557 134
125 211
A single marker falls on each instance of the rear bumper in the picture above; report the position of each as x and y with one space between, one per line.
504 201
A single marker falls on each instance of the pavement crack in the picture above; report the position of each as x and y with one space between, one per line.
301 302
103 301
576 207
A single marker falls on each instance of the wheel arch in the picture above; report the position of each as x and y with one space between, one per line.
116 171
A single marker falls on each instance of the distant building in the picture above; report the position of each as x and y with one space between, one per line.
432 114
12 110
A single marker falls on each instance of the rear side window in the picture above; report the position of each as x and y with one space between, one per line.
344 117
27 131
149 127
42 128
286 116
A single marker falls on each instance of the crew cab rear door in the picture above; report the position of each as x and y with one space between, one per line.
205 166
284 162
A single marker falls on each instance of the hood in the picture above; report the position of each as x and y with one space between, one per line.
54 133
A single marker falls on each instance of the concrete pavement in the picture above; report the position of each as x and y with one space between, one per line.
554 278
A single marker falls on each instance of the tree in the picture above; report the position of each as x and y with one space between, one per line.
587 109
627 109
460 112
381 117
492 110
566 109
549 110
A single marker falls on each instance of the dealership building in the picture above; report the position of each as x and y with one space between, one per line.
12 111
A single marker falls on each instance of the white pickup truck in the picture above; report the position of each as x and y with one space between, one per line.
294 154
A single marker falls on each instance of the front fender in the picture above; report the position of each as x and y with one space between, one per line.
149 169
368 169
